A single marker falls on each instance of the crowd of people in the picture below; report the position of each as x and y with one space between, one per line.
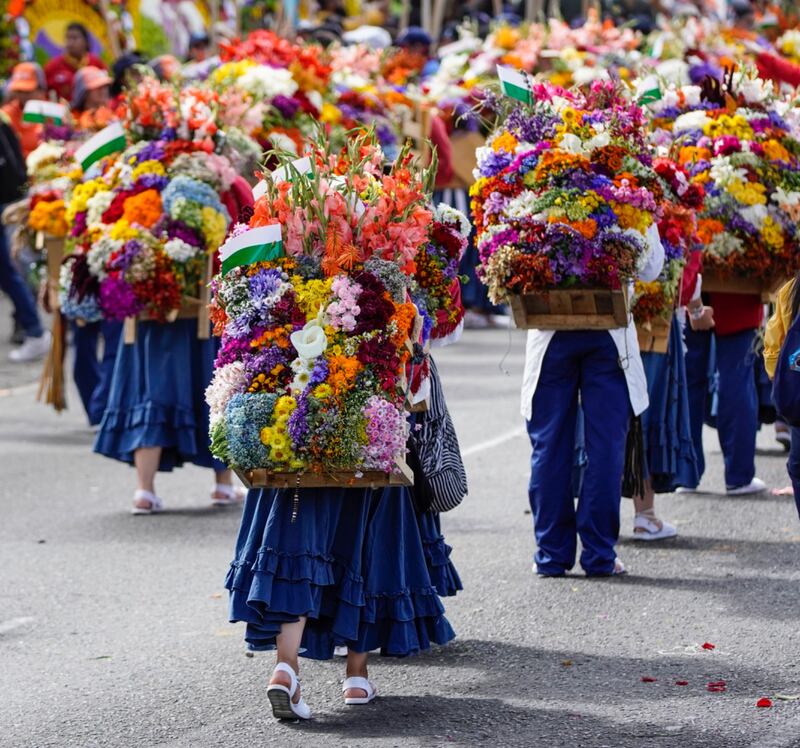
353 570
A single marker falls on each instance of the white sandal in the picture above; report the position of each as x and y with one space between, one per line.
362 684
156 505
230 494
280 697
646 528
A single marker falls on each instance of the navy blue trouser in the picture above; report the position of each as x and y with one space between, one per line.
92 375
737 406
585 363
793 465
13 284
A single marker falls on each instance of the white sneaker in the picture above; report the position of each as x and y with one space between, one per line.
32 349
645 528
754 486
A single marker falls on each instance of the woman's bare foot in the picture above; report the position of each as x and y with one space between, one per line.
785 491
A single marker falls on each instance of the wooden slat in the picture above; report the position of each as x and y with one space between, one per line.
713 282
578 309
262 478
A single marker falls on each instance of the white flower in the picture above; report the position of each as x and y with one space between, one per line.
673 71
444 213
601 140
179 250
311 341
522 205
690 121
228 381
786 199
281 142
754 90
571 143
754 214
692 94
585 74
96 205
97 256
41 155
723 172
264 82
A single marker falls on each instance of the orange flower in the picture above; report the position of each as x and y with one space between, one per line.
342 372
143 209
404 316
587 228
279 337
708 228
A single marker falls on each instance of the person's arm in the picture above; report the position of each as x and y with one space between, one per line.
652 262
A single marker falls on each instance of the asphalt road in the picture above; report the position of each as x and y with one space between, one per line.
113 628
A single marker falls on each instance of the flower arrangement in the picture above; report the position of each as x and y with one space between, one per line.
733 139
272 89
52 174
144 224
436 285
565 193
315 335
677 228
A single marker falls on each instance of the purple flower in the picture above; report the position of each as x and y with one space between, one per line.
151 152
179 230
117 299
127 255
494 162
286 106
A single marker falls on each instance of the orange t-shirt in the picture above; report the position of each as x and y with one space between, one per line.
29 133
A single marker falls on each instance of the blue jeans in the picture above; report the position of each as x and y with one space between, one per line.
92 375
14 285
737 406
793 465
585 363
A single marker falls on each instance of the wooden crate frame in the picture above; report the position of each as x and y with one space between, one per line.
654 335
714 282
191 308
263 478
572 309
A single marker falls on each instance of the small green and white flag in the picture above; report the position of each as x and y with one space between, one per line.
284 174
109 140
515 84
44 111
648 90
256 245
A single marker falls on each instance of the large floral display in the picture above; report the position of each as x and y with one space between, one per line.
145 222
566 196
733 139
316 319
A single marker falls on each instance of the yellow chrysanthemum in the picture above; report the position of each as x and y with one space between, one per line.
148 167
772 234
748 193
312 294
214 227
122 231
323 391
330 114
285 405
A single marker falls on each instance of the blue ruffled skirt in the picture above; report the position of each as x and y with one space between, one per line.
669 452
157 396
361 565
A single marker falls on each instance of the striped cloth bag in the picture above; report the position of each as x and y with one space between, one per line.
440 479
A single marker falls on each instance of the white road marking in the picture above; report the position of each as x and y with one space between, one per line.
494 442
14 623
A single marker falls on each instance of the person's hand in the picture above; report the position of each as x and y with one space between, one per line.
702 318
